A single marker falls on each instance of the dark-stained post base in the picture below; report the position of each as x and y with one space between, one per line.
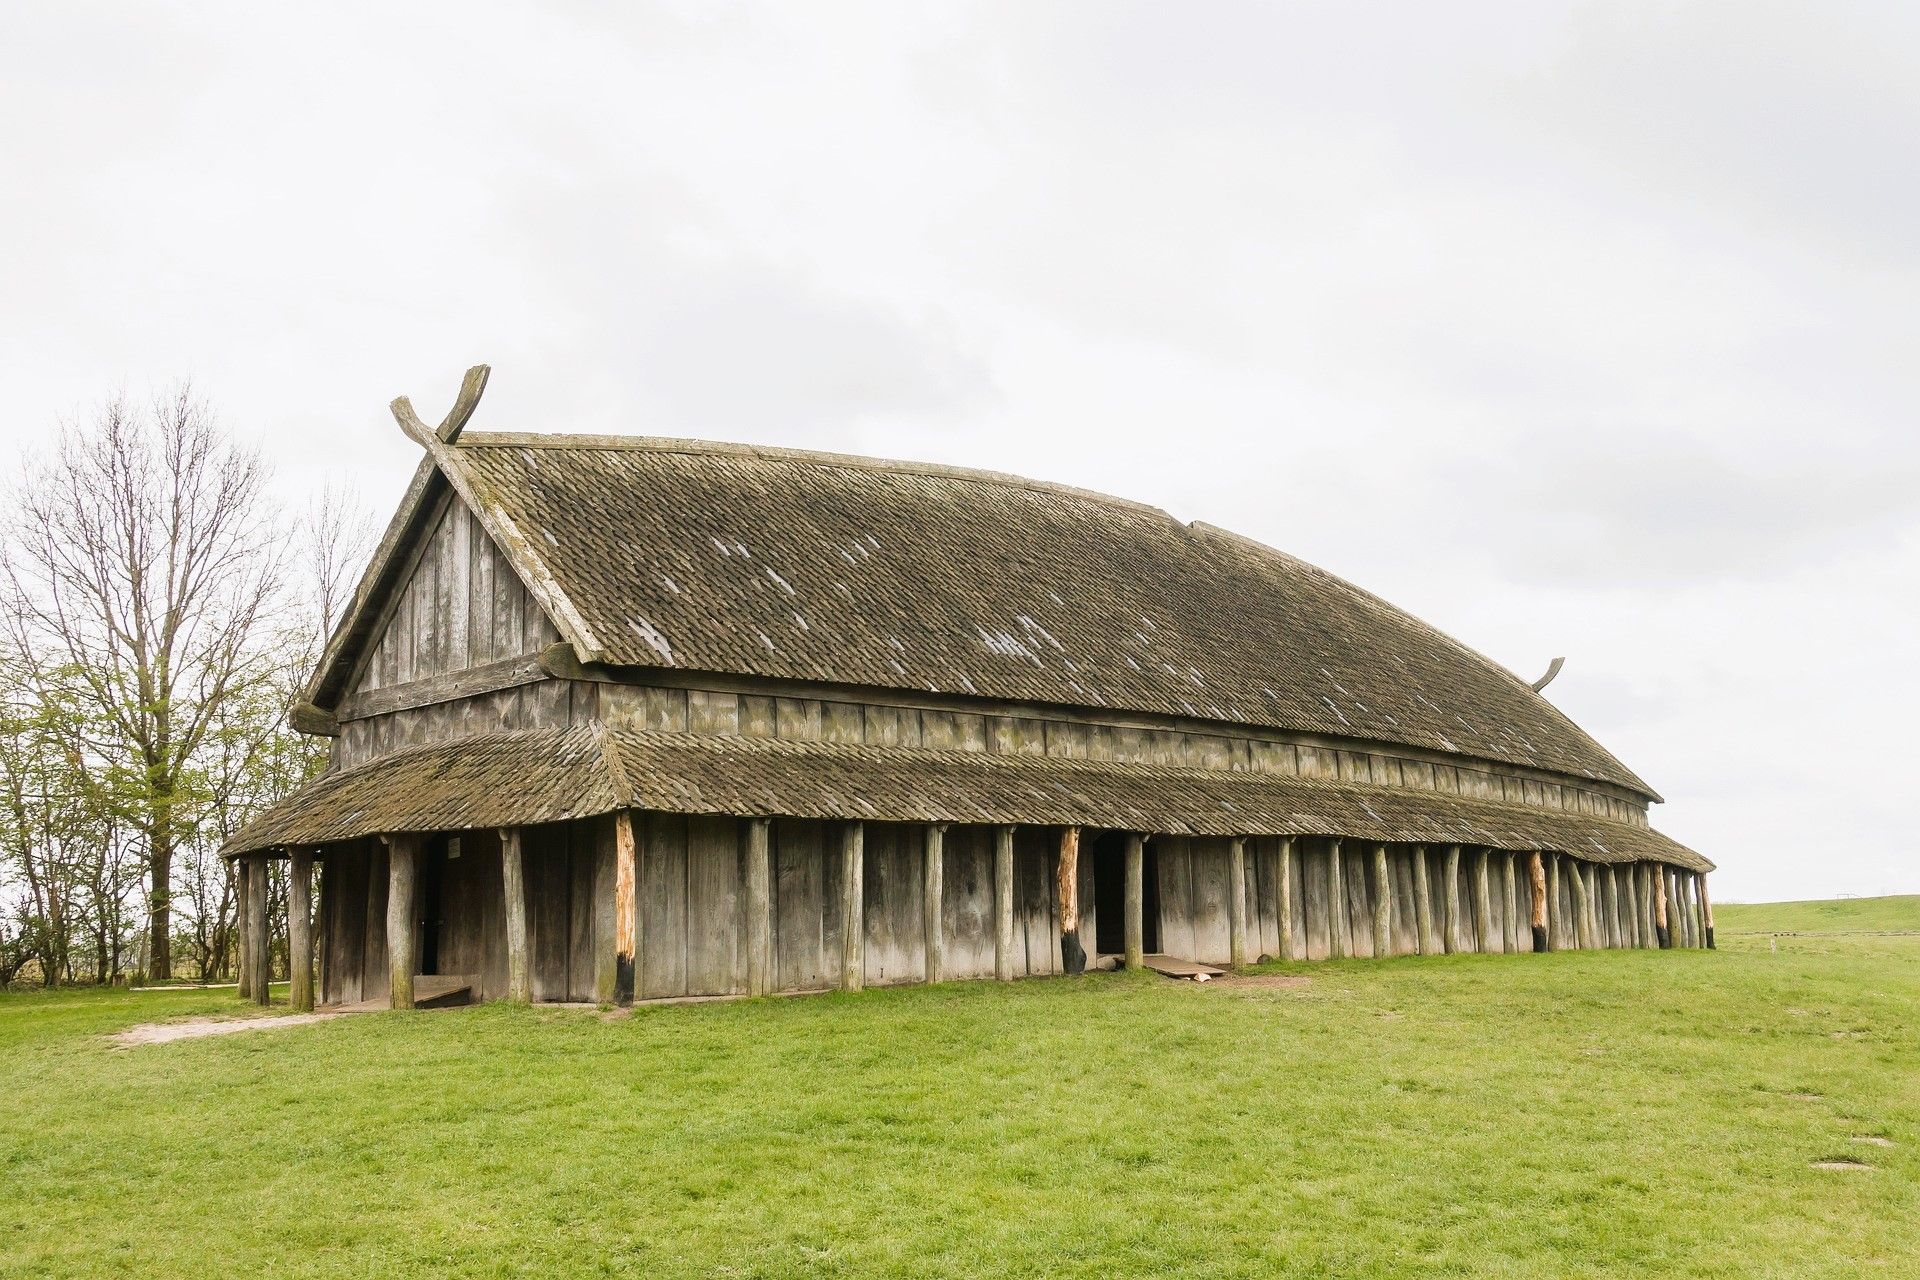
1663 937
1709 937
1072 954
1539 938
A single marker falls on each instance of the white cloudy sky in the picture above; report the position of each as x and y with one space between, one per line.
1581 329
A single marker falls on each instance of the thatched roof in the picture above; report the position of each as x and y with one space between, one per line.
513 779
821 568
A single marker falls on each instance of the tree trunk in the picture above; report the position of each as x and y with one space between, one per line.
159 902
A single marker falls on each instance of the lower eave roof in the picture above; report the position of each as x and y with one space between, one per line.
532 777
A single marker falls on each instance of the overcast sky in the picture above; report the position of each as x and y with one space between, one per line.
1585 330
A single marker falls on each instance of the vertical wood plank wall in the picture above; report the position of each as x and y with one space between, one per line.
569 871
461 606
691 886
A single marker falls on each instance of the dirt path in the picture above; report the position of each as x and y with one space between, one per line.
195 1028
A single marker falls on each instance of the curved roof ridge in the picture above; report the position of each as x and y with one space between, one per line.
785 453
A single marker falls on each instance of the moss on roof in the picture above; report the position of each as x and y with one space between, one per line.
524 778
818 567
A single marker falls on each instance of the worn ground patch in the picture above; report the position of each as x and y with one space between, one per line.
196 1028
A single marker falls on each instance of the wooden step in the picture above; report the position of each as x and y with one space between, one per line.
1169 967
430 991
442 990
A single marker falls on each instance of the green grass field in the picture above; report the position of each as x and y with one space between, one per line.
1839 915
1565 1115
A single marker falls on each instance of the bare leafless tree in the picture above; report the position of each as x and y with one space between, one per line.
142 561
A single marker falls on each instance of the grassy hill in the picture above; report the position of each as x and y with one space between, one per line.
1564 1115
1836 915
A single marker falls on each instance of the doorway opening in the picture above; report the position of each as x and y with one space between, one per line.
430 906
1110 895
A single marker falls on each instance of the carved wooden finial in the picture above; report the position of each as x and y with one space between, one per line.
471 388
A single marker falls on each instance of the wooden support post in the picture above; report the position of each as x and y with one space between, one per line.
1683 883
1582 935
259 939
1382 903
614 970
1285 905
1510 918
1631 905
300 930
1556 921
933 861
1650 937
403 852
1237 907
1677 909
1482 903
853 907
1337 917
1706 910
1696 925
1537 882
1452 936
759 909
513 884
1066 876
242 872
1424 940
1597 903
1003 903
1136 902
1662 928
1614 932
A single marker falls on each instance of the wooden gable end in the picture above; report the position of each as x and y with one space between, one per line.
458 605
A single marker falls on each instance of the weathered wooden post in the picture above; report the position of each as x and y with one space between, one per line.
1336 903
614 980
932 872
513 883
1482 903
1382 903
1652 934
1662 924
1556 920
1003 903
1066 871
1676 909
1706 910
1285 905
1689 923
1510 901
759 908
1537 881
1424 940
1582 934
1237 909
241 870
1689 920
259 941
1610 903
853 909
1630 903
1596 879
300 930
403 851
1136 903
1452 935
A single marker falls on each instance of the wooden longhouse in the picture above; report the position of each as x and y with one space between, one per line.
623 719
